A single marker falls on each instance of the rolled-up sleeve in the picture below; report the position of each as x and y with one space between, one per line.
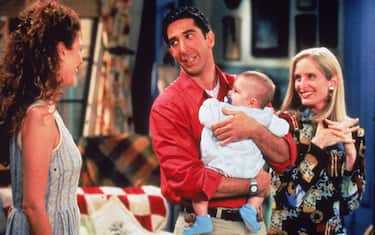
280 167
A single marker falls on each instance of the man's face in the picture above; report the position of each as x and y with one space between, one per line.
188 46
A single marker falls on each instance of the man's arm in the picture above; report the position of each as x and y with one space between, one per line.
183 175
275 149
230 187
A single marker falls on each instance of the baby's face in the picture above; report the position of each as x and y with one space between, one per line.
240 92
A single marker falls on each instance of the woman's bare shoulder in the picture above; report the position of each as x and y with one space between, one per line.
40 115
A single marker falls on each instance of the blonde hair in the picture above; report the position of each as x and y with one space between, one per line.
264 89
330 67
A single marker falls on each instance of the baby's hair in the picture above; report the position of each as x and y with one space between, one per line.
263 88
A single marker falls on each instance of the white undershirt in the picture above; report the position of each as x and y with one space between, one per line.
214 92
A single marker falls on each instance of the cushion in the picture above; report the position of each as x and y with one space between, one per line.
119 160
145 203
114 218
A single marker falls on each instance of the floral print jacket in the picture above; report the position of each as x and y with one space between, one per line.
313 196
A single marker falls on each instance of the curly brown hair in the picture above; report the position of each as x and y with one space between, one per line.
29 68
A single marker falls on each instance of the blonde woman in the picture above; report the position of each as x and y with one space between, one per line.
327 181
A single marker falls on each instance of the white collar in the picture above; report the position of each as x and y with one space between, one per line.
215 91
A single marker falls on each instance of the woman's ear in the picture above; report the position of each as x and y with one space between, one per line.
61 50
333 82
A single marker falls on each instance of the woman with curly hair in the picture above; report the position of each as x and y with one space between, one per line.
42 57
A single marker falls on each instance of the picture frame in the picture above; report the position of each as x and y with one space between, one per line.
270 28
305 28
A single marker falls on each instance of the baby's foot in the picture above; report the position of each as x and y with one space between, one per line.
202 224
249 216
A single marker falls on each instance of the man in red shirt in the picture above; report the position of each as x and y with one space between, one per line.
176 130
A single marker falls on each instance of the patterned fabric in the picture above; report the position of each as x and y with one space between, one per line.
146 203
61 203
119 160
313 196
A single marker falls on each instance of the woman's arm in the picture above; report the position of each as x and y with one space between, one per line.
39 136
353 183
314 155
354 180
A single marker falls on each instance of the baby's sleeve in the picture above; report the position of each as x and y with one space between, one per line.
208 112
278 126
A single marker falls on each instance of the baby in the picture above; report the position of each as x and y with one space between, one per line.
251 93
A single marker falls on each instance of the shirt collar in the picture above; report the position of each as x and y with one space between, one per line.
197 93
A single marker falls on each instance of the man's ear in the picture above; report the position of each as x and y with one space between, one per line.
211 39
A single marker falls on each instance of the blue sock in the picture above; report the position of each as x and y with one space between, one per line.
202 224
249 216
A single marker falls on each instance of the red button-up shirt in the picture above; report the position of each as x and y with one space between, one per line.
176 134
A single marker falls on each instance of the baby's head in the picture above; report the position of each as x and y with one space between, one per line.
252 89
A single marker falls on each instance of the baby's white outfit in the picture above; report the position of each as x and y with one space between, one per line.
240 159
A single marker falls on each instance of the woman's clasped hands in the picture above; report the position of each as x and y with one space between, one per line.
329 133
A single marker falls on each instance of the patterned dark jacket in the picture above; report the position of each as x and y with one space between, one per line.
313 196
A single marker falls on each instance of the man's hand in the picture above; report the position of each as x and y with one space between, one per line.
239 127
264 183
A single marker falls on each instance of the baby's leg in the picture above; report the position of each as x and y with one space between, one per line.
200 207
255 201
249 213
202 223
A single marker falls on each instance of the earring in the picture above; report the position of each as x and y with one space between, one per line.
331 89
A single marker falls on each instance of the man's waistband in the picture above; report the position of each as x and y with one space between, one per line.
232 214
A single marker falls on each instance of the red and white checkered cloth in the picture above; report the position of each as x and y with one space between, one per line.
146 203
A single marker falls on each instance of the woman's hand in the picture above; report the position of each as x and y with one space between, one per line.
238 127
325 137
347 127
335 132
338 132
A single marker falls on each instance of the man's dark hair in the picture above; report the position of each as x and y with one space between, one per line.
185 13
